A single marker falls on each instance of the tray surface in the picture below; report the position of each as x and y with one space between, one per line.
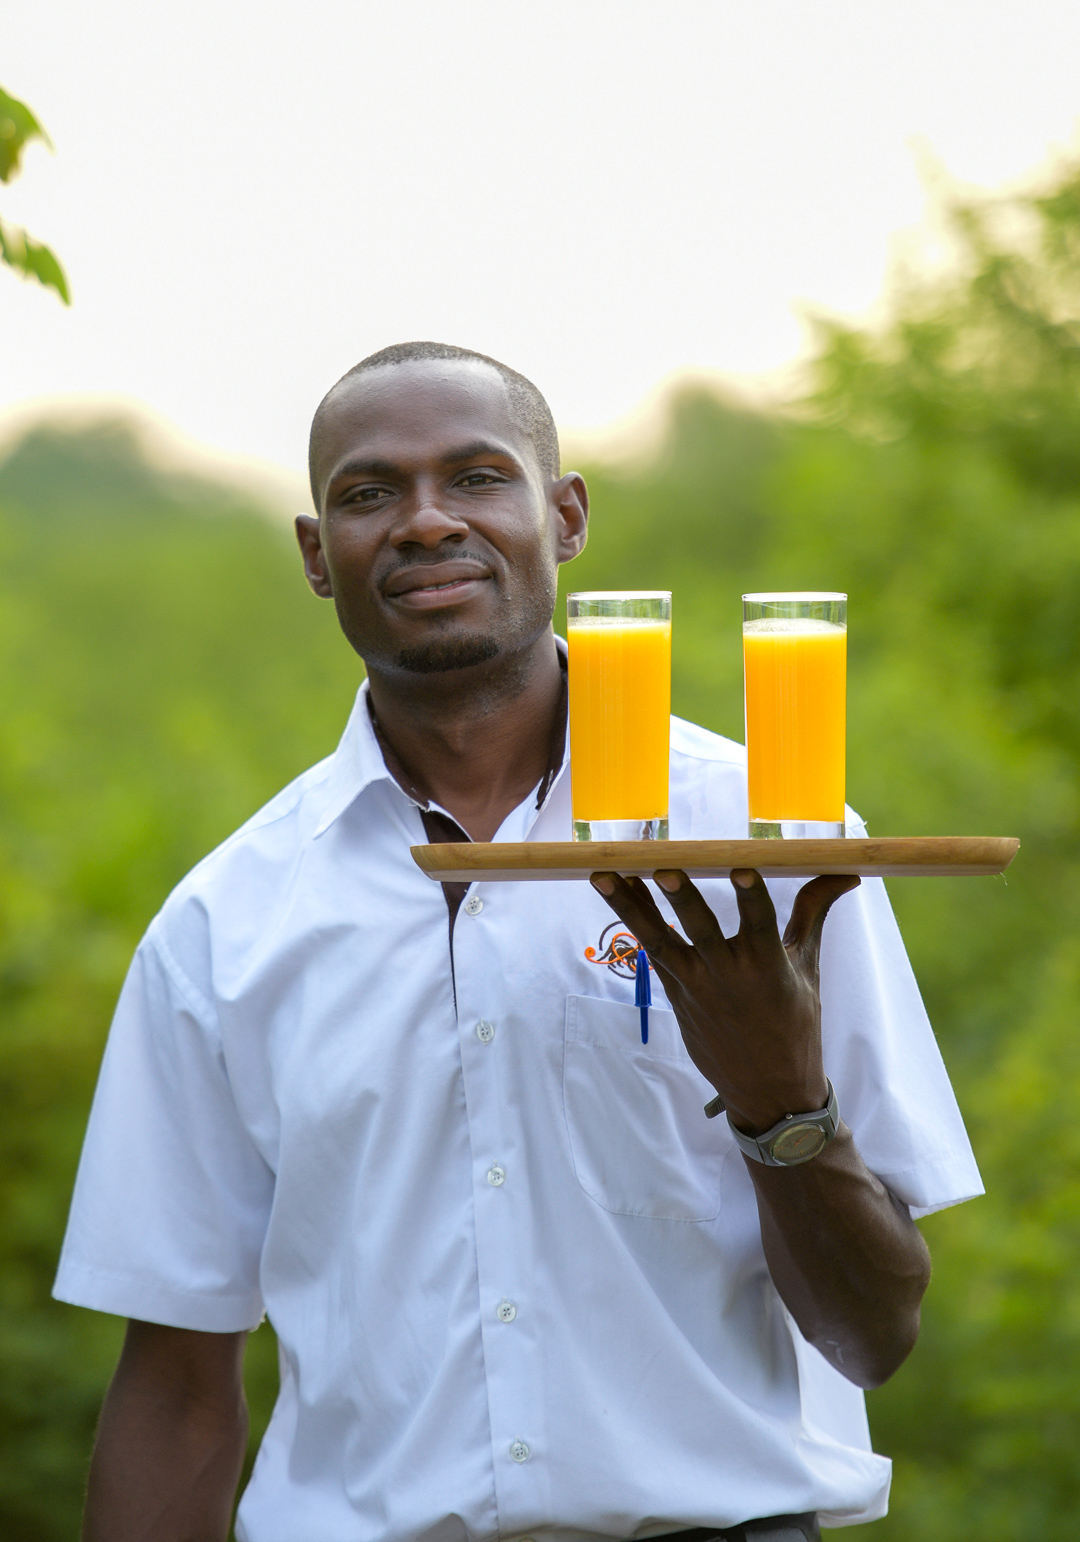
915 856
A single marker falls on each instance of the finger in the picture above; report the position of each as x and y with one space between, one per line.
636 908
757 914
812 904
689 904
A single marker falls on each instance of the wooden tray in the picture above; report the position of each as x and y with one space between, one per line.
918 856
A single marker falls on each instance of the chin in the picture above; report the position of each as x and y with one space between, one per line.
442 654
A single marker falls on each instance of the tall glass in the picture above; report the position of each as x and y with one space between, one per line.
620 711
795 671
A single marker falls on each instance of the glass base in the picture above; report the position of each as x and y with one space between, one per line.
620 829
797 830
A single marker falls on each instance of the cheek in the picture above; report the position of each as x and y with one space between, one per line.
543 567
535 552
349 561
537 588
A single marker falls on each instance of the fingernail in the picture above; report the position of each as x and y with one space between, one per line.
743 879
602 883
669 882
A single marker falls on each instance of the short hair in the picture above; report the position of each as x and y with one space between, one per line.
531 412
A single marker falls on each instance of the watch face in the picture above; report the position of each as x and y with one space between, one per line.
798 1144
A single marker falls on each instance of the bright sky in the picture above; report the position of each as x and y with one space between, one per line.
250 195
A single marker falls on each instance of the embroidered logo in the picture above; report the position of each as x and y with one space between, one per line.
617 951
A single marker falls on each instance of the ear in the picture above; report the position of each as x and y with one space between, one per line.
310 538
570 502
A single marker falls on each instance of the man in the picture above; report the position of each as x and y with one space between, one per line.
523 1286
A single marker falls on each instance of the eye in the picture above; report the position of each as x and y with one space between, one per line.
479 479
366 495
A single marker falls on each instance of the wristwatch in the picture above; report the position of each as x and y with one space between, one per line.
794 1139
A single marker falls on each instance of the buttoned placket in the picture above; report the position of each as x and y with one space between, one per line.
509 1318
513 1381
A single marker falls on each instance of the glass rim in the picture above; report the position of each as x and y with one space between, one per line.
619 594
801 596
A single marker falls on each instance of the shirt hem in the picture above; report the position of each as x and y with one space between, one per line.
934 1185
123 1296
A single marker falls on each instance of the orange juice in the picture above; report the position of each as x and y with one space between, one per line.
620 706
796 678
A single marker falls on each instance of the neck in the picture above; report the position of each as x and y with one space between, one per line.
476 741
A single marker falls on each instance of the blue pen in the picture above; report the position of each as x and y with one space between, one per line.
642 992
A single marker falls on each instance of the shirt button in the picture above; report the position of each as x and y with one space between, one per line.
474 905
485 1032
519 1451
496 1176
506 1311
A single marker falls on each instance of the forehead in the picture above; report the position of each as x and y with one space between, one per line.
415 413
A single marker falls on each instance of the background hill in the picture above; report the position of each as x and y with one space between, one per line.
166 670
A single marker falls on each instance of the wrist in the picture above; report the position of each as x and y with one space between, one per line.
792 1139
753 1116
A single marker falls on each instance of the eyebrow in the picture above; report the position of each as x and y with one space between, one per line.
366 468
454 457
475 449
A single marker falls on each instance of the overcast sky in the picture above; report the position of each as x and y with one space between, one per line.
250 195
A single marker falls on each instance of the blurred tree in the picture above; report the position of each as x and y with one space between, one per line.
18 249
954 482
165 671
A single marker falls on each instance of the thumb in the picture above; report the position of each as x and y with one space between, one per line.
812 904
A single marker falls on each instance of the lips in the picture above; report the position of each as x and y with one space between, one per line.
429 580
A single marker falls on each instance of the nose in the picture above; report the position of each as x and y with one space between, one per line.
424 523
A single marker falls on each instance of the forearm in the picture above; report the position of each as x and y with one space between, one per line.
167 1459
846 1258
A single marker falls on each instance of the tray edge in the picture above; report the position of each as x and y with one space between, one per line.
861 853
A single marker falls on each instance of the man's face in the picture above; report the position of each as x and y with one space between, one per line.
440 535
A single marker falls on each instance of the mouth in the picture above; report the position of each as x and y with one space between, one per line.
430 585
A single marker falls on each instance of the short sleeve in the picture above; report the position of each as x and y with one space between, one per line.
880 1051
172 1199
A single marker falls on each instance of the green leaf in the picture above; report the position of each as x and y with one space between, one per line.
32 259
17 127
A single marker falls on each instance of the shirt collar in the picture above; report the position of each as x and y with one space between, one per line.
356 764
358 760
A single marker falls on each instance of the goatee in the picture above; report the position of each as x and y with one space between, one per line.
436 657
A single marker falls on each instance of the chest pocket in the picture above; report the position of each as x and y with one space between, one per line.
640 1139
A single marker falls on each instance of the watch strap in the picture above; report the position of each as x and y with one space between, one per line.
792 1140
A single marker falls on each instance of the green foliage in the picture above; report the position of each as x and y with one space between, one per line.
18 127
33 259
18 249
167 671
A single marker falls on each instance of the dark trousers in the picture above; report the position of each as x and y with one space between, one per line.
771 1528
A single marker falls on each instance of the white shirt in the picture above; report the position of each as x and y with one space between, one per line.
515 1273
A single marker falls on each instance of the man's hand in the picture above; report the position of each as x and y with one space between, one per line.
748 1005
847 1260
171 1439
